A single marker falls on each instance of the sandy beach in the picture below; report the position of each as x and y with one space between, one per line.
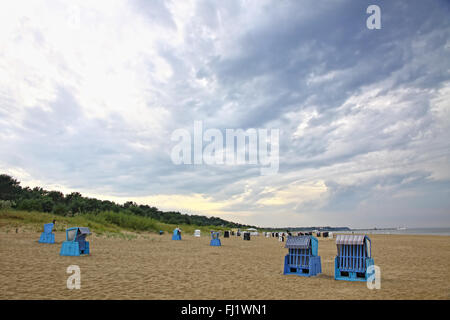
155 267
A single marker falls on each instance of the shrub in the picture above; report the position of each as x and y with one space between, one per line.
30 205
60 209
6 204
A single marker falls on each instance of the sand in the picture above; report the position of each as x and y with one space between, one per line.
155 267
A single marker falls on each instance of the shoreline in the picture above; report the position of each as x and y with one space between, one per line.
393 233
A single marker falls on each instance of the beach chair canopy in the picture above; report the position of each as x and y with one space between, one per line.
77 233
355 239
48 227
299 242
350 239
84 230
214 235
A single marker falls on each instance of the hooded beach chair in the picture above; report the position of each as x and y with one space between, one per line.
354 256
75 244
215 241
176 234
47 236
302 259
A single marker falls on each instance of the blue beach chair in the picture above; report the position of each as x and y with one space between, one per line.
302 259
215 241
354 256
75 244
47 236
176 234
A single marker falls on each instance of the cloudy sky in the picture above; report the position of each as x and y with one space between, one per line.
91 92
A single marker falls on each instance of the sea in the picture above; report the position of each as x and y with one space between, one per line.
411 231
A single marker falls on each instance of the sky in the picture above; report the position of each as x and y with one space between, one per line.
92 92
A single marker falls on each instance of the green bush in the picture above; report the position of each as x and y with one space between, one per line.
127 221
30 205
6 204
60 209
47 204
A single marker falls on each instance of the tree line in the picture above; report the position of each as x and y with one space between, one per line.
37 199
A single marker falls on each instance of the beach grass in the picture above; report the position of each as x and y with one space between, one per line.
111 224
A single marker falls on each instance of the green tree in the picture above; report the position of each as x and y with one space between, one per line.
60 209
9 188
56 196
47 204
30 205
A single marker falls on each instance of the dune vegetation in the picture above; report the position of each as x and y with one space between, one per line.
101 223
23 207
